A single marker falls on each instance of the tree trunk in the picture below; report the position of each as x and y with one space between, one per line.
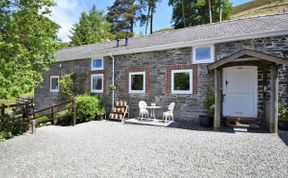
210 12
220 10
131 26
147 20
151 20
183 14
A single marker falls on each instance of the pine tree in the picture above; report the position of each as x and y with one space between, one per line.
150 13
123 15
196 12
92 28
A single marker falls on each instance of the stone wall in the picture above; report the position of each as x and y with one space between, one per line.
276 46
45 98
187 107
158 64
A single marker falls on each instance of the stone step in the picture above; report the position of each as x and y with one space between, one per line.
242 122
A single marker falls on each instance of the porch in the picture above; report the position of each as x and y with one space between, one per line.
237 87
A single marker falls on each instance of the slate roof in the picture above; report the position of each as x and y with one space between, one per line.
227 29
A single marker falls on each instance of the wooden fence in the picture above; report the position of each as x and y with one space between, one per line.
28 111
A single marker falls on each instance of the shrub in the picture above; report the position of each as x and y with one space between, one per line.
42 120
209 102
87 107
11 126
66 86
282 111
63 118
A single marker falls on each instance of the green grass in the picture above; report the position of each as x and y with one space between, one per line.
252 5
13 100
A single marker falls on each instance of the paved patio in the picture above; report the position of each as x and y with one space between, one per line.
112 149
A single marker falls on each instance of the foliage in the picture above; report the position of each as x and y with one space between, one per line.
87 107
42 120
252 5
112 87
72 84
282 111
122 15
209 102
150 6
92 28
11 126
66 86
63 118
196 12
79 79
28 40
101 112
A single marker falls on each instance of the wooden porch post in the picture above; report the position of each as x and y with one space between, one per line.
217 112
273 120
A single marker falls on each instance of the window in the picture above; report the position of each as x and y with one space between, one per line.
137 82
181 81
203 54
97 83
54 85
97 64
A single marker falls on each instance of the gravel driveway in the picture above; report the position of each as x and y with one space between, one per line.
111 149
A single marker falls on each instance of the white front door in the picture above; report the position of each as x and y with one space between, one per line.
240 91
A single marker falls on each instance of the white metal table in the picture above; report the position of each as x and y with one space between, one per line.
152 108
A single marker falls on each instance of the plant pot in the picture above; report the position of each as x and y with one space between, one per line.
283 125
206 121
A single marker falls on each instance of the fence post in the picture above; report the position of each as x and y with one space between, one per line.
74 111
3 110
33 122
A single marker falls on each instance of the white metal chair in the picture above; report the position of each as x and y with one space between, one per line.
169 114
143 112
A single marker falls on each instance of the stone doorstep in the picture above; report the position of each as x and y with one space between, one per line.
149 122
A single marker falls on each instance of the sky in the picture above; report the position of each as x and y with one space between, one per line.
67 12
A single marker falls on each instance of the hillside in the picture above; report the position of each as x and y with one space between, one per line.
260 7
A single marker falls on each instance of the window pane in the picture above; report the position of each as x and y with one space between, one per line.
182 81
203 53
97 63
137 82
97 83
54 83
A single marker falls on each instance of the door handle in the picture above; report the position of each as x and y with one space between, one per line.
226 83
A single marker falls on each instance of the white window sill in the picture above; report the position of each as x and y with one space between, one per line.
96 91
181 92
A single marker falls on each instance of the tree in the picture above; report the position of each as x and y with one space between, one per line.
28 40
196 12
123 15
152 8
92 28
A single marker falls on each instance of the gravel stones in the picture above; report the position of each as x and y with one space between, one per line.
111 149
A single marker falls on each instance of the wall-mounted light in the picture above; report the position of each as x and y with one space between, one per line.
60 65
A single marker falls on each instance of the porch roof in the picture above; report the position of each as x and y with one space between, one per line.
247 56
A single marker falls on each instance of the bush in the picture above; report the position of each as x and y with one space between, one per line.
209 102
66 86
87 107
63 118
10 126
42 120
282 111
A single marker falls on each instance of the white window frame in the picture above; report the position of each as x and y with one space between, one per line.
97 68
53 77
190 71
144 82
91 87
212 53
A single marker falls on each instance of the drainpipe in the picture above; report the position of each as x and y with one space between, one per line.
113 92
